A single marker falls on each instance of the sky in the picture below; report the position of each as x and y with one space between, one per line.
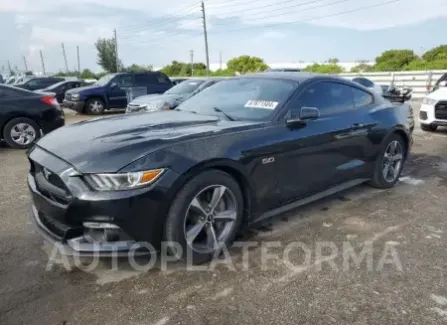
154 32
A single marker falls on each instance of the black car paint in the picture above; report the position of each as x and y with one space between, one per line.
29 104
61 88
309 157
39 83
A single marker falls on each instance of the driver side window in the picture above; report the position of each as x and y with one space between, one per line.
328 97
125 80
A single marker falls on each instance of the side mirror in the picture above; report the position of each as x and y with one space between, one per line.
300 116
113 85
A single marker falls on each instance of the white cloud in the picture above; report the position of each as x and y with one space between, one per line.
329 13
273 35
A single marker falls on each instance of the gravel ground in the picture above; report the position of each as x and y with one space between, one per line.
404 283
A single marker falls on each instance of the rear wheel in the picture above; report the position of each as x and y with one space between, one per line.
94 106
21 133
428 127
389 163
205 216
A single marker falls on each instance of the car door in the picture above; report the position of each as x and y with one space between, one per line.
325 151
10 105
117 90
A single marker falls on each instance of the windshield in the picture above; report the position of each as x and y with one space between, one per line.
105 79
185 87
241 99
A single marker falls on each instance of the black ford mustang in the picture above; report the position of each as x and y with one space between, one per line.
238 152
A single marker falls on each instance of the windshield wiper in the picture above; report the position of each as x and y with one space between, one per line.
183 110
216 109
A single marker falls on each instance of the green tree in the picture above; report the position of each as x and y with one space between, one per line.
245 63
362 67
107 54
28 73
426 65
328 68
394 60
436 53
138 68
183 69
87 74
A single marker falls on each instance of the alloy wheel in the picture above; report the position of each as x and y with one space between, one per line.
210 219
96 106
23 134
392 161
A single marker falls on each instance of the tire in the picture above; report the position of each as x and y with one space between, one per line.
94 106
428 127
379 180
184 218
21 133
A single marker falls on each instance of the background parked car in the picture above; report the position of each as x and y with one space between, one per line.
433 111
172 97
111 91
59 89
25 114
39 82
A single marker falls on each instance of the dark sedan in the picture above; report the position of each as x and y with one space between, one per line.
59 89
26 115
171 98
38 82
241 151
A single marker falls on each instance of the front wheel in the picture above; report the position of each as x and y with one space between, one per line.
94 106
389 163
428 127
205 216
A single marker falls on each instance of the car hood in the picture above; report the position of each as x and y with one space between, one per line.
107 144
80 89
145 99
439 94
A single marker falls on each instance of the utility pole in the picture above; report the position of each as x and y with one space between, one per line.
220 60
79 61
65 57
116 51
205 34
43 64
26 65
192 61
9 67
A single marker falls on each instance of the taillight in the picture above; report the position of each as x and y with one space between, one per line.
50 100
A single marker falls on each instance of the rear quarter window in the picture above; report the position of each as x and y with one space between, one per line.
361 98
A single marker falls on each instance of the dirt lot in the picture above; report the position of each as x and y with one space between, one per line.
405 227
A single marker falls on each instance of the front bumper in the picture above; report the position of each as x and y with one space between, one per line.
427 116
77 106
63 203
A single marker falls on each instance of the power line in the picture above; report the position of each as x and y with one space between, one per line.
266 6
288 12
162 21
304 20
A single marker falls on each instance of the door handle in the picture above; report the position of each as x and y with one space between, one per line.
357 126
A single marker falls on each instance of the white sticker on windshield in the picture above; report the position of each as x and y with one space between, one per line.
261 104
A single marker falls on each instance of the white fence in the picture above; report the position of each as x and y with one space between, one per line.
420 81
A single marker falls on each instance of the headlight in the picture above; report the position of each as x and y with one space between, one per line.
429 101
75 96
122 181
155 106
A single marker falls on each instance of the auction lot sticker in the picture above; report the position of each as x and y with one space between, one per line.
261 104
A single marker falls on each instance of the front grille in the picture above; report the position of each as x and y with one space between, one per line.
423 115
134 107
441 110
50 184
